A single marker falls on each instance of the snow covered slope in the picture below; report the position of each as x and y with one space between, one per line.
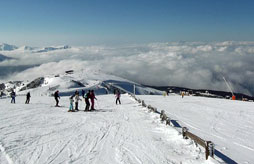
68 83
229 124
41 133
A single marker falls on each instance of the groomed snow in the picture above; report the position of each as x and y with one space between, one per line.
229 124
41 133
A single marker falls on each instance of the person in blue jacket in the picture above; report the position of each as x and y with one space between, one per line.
13 95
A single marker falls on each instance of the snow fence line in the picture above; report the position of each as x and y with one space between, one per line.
208 145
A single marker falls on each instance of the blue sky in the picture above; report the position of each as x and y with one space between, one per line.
83 22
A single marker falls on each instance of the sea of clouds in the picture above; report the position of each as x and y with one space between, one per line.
198 65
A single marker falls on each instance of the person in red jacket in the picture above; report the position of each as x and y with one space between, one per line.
92 97
118 95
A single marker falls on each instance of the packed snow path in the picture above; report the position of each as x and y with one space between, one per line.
41 133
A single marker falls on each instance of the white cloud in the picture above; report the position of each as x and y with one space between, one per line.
187 64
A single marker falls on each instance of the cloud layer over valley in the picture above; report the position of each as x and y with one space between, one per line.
186 64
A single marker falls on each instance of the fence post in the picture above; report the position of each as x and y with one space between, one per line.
164 118
184 130
168 121
162 113
143 103
209 149
155 110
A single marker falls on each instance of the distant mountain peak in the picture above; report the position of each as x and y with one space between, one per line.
53 48
27 48
7 47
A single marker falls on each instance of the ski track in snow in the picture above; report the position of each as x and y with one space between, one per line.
6 156
114 134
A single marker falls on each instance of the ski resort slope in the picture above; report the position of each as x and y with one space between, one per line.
229 124
114 134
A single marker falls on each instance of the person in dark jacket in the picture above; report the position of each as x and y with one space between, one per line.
86 97
1 94
92 97
76 92
28 98
13 95
56 95
83 93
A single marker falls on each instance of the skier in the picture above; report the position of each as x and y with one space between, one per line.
28 98
13 95
86 97
118 95
92 97
71 104
56 95
182 94
76 101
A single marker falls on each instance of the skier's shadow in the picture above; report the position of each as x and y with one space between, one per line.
175 123
224 157
101 110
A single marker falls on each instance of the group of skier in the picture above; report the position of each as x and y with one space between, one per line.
88 97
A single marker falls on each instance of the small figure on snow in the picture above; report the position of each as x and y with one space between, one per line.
13 95
56 95
92 97
1 94
76 92
182 94
86 97
118 95
76 100
71 104
28 95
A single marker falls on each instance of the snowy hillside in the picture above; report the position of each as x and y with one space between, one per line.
41 133
126 133
229 124
68 83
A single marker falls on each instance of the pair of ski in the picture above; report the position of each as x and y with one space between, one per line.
82 110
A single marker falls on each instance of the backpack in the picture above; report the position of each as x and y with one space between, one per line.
86 95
